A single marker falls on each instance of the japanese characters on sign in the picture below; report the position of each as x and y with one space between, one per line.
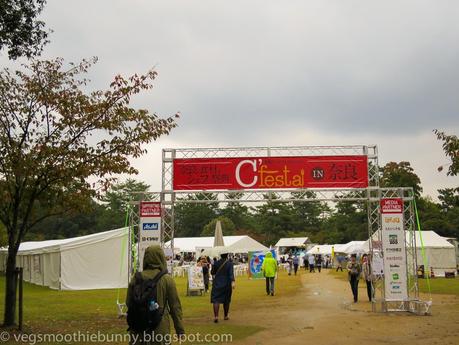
149 227
270 172
393 243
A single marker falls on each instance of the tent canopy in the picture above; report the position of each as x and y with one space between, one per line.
323 249
432 239
292 242
353 247
234 244
52 246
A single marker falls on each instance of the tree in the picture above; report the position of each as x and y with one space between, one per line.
20 30
237 212
449 198
348 223
400 175
191 217
306 214
451 147
274 218
115 202
55 138
228 227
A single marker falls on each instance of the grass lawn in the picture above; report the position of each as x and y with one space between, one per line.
50 311
437 285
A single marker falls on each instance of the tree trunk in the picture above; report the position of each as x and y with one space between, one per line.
10 291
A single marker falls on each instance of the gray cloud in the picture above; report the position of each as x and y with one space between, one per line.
270 72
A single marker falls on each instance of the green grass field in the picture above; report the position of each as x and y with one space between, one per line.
437 285
50 311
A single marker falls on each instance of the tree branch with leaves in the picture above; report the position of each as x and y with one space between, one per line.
55 138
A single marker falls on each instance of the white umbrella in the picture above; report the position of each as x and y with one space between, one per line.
215 251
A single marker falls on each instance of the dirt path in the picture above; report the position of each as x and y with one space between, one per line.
322 313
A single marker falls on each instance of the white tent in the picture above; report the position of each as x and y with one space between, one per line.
94 261
440 254
234 244
353 247
292 242
323 249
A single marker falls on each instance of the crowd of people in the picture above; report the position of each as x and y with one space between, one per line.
153 301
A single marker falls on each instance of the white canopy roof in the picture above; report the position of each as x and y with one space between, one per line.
51 246
432 239
235 244
323 249
292 242
353 247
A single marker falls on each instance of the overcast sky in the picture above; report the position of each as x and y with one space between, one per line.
271 73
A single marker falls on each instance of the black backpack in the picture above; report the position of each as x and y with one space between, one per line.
144 313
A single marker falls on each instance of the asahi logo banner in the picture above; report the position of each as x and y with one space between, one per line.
271 172
149 227
393 243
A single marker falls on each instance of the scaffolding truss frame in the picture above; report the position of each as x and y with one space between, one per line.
372 195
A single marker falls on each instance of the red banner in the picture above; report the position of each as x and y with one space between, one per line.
150 209
270 172
392 205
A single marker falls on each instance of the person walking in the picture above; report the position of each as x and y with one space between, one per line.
205 272
311 261
340 260
223 284
167 301
269 269
353 271
290 264
296 262
305 261
319 262
327 261
368 275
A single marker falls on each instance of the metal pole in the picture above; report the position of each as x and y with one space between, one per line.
19 279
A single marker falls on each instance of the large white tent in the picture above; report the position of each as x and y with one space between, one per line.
234 244
96 261
440 254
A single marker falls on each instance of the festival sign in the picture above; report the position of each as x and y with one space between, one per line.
270 172
393 243
149 227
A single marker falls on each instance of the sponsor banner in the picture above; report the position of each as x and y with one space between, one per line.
149 227
391 205
393 243
150 209
271 172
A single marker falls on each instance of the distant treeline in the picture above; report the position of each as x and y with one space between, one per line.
338 222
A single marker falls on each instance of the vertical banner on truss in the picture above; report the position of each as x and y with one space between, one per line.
393 243
150 227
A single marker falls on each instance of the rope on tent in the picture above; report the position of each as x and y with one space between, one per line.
121 306
424 257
